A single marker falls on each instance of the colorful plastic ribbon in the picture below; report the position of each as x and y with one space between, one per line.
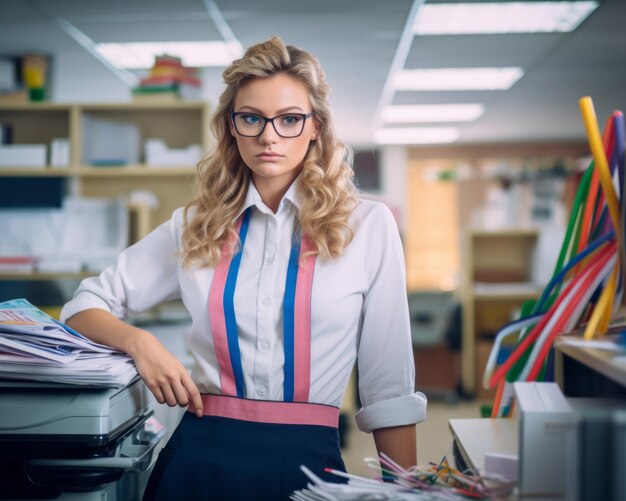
587 284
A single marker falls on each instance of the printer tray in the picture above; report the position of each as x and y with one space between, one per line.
24 477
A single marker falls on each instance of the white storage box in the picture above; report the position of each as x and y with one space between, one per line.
95 231
159 155
59 152
107 142
23 155
548 455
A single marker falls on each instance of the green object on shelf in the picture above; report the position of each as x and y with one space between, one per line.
485 410
37 94
155 89
109 162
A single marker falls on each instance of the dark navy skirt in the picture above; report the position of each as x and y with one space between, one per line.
225 458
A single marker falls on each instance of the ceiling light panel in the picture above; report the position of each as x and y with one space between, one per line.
501 17
193 54
438 79
414 113
416 135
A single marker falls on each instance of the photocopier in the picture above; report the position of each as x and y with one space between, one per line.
72 442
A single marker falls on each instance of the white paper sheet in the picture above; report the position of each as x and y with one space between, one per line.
35 346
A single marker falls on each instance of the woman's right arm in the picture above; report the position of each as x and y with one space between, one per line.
143 275
161 371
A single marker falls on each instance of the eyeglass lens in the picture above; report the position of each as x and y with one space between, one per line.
289 125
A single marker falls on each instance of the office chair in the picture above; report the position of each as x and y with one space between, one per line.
435 332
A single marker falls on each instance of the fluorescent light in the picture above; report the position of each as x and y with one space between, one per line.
501 17
457 79
193 54
465 112
416 135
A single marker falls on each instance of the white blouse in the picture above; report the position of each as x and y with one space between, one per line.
359 308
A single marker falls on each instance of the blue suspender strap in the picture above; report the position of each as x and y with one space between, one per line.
296 319
229 308
288 317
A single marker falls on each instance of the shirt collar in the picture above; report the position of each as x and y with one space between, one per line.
292 193
254 199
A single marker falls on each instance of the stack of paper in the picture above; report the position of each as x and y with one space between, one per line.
362 489
437 481
35 346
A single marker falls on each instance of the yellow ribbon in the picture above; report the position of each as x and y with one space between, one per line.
599 321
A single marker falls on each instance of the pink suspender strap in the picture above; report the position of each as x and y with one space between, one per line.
218 320
302 323
296 321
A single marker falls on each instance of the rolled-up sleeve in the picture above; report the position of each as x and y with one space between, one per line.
143 275
385 353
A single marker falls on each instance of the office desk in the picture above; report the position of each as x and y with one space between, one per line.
581 371
476 437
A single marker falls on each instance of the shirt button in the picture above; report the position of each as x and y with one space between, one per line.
265 301
270 258
261 391
264 346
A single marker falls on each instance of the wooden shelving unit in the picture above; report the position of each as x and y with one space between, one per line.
83 171
178 124
45 276
590 368
497 271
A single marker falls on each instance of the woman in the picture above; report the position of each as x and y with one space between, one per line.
288 278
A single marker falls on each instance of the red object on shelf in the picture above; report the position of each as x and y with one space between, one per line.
17 264
17 259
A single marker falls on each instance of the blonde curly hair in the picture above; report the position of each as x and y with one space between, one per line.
326 186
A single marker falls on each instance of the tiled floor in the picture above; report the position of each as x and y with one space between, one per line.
433 436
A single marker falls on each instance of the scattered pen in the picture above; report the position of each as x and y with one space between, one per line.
349 476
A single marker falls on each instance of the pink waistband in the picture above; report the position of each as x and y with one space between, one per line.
264 411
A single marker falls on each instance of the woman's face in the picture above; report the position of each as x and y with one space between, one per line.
271 158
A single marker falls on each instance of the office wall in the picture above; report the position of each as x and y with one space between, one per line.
77 77
393 165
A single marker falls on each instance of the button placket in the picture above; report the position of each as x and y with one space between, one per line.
265 314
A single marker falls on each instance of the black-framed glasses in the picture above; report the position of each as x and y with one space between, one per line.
288 125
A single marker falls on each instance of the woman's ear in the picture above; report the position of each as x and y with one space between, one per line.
315 131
